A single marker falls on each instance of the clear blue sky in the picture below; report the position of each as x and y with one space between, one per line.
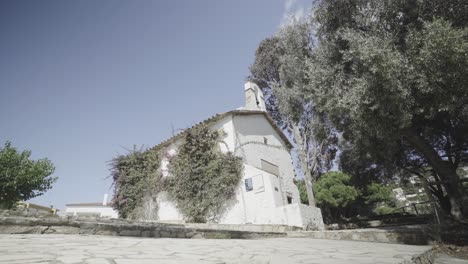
80 81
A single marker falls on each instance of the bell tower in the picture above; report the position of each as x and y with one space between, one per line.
254 99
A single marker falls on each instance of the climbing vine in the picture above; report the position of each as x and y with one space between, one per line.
137 180
203 179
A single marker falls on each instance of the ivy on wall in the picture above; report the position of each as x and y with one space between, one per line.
137 180
202 180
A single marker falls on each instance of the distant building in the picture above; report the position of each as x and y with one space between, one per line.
407 198
35 208
415 195
91 209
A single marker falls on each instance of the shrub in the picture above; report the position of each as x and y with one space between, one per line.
333 189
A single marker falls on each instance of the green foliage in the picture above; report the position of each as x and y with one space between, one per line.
392 77
302 191
135 175
280 71
266 68
378 193
384 209
339 195
22 178
333 189
380 197
202 179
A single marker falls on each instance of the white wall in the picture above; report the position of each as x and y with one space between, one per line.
170 151
87 210
250 133
244 135
301 215
227 142
167 210
225 126
255 206
264 205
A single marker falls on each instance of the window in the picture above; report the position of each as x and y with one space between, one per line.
270 167
289 199
248 184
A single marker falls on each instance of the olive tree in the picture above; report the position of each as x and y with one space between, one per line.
390 76
22 178
393 77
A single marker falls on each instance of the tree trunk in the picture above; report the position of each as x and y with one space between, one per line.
430 197
443 169
302 156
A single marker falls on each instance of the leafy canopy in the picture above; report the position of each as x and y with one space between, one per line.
391 76
22 178
378 193
280 71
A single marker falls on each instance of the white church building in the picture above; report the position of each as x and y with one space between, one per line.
267 193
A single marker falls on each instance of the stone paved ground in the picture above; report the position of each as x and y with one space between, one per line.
444 259
128 250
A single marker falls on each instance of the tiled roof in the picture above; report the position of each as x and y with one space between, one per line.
218 117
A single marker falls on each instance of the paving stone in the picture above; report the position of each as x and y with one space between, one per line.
444 259
86 249
98 261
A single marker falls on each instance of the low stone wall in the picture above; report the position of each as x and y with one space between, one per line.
22 223
244 227
117 227
451 233
416 235
381 221
301 215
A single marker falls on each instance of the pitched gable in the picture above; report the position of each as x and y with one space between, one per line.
218 117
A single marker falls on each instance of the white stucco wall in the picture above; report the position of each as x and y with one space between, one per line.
267 203
226 127
167 210
171 150
102 211
255 206
301 215
250 133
